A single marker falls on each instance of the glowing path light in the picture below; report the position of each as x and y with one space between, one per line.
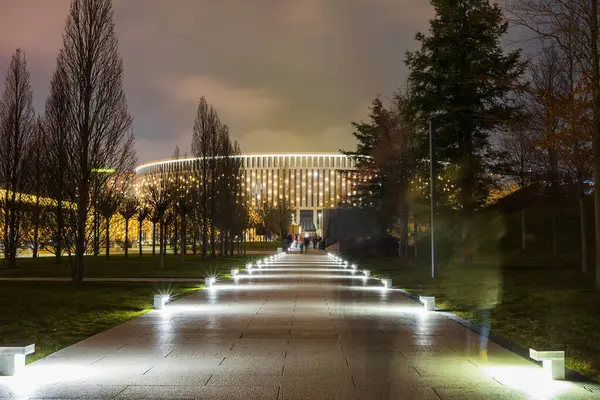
160 300
428 302
235 271
249 266
12 359
387 283
553 363
366 272
210 281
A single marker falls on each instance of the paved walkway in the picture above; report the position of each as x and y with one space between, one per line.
301 329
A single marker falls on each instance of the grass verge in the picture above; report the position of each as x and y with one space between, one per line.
54 315
543 308
117 266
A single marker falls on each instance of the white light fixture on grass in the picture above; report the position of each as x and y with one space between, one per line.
249 266
387 283
234 272
553 363
160 300
367 272
209 282
428 302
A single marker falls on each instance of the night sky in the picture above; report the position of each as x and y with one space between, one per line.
285 75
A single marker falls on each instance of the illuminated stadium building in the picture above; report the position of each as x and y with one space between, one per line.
311 182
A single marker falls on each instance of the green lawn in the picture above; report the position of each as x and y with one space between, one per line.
54 315
540 307
194 266
266 246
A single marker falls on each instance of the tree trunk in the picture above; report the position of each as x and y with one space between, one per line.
583 233
107 237
153 238
554 235
596 131
59 231
175 233
416 238
183 236
140 236
204 235
36 227
161 247
195 239
96 233
126 237
78 265
523 231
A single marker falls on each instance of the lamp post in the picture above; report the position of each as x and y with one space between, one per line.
432 164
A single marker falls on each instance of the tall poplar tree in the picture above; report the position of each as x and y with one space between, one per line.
100 142
17 131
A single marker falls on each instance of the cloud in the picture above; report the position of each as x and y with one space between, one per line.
285 75
330 139
232 102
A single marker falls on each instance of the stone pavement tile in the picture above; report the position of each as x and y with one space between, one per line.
409 377
309 360
266 334
313 335
260 342
161 392
333 378
256 350
239 392
254 365
245 379
289 392
63 391
481 393
307 349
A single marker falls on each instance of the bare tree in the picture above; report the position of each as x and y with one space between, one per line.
516 161
38 168
142 213
99 133
56 127
573 26
157 193
206 125
17 129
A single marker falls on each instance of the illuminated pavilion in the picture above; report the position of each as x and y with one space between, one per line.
310 182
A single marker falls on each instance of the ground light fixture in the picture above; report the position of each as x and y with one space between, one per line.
249 265
12 359
354 266
209 282
428 302
258 263
365 271
387 283
553 363
160 300
235 271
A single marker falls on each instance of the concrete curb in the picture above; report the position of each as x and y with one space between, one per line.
572 376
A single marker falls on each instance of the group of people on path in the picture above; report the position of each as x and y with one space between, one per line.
297 242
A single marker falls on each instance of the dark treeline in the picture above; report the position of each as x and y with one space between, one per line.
502 122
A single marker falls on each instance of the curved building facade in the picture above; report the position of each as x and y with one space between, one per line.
310 182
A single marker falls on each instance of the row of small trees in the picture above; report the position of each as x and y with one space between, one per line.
499 121
81 145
